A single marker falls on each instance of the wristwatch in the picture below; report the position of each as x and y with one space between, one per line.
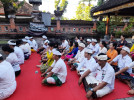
92 90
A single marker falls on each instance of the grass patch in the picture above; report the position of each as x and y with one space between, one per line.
3 42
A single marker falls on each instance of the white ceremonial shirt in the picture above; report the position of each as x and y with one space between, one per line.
90 46
96 49
131 65
59 69
20 55
7 80
105 74
85 64
123 62
27 46
103 50
35 45
13 60
64 44
80 55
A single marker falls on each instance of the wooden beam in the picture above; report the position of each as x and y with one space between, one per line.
107 25
128 5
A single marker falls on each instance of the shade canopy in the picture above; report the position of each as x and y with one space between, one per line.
114 7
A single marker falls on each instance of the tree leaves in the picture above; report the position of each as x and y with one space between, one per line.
11 6
83 11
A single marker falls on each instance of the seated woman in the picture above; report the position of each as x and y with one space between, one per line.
7 81
73 53
12 59
132 52
65 52
103 47
49 59
121 43
112 53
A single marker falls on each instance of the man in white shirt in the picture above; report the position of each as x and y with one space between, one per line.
56 74
89 44
86 63
95 47
64 45
18 51
124 68
33 44
44 38
123 60
7 81
26 49
78 58
103 83
124 76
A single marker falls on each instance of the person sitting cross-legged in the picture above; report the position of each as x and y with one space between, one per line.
88 61
78 58
124 76
123 60
7 79
103 83
56 74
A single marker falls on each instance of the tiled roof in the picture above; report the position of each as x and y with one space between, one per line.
110 4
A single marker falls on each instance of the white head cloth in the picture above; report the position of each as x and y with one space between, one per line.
11 43
126 49
102 57
94 40
55 52
44 37
89 40
89 51
82 45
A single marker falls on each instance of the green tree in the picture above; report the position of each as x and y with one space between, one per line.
62 4
82 12
101 28
11 6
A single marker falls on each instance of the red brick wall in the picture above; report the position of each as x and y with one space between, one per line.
3 31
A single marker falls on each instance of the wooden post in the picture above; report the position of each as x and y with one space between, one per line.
107 25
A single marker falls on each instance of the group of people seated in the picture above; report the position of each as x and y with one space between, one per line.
96 63
16 53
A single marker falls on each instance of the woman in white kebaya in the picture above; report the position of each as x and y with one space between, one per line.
12 59
7 81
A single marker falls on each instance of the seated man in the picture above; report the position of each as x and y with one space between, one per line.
124 76
123 60
78 58
26 49
103 83
7 79
33 45
56 74
95 47
86 63
44 38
